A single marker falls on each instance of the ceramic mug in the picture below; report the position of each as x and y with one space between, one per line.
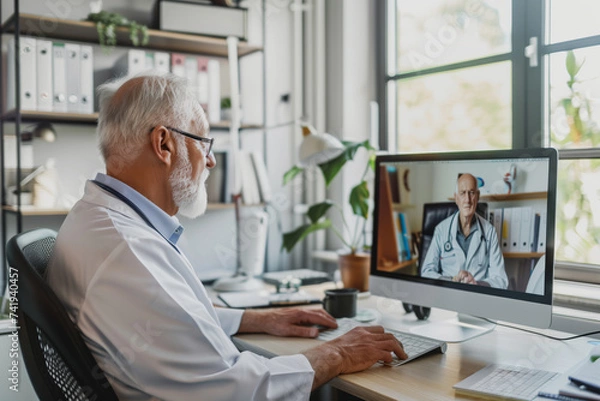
341 302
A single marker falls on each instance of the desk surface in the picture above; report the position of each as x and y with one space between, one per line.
431 377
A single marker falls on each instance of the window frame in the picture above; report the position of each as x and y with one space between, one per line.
528 87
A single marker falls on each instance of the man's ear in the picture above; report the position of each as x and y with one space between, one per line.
162 144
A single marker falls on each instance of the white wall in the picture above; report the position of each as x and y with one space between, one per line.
351 86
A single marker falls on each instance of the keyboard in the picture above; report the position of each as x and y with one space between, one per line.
414 345
305 276
505 382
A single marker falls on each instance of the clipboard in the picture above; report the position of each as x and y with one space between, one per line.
265 299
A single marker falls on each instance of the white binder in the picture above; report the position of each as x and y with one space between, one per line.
148 60
203 82
28 74
86 66
131 63
73 79
162 61
178 64
214 91
59 77
542 234
191 73
44 75
526 227
515 229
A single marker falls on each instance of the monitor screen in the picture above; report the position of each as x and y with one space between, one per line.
471 232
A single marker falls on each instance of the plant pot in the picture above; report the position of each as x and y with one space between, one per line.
355 269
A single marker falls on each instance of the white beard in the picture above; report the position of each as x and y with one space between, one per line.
189 196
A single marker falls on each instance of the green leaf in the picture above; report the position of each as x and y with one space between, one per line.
572 67
315 212
291 173
290 239
331 168
359 200
372 161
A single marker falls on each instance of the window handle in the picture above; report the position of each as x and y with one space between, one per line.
531 51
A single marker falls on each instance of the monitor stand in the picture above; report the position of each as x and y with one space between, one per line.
455 330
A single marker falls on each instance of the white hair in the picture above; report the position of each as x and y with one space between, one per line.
127 114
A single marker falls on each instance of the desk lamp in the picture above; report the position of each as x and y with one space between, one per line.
43 130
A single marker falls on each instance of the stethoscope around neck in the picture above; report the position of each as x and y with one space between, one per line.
448 247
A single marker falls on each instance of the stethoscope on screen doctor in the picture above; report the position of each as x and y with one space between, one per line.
448 247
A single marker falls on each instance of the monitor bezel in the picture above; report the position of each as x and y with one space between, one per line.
381 279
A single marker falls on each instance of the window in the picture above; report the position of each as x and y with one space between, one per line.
493 74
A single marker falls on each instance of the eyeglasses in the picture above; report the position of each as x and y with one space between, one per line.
207 143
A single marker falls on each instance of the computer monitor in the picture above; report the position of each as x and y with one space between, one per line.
502 269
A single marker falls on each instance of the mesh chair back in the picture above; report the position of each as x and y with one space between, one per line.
58 362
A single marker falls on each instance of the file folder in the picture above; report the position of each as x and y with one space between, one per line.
214 91
526 227
515 229
87 80
44 75
203 82
28 74
191 73
162 61
178 64
59 77
72 51
131 63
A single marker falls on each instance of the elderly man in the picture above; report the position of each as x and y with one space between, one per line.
143 312
465 246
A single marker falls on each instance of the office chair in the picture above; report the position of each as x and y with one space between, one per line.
58 362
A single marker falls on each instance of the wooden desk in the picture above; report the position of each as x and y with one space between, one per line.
432 377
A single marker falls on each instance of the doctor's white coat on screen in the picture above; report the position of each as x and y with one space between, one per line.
484 260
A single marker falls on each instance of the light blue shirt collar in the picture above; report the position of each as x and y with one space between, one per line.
167 226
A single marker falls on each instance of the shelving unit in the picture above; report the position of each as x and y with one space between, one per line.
83 31
32 115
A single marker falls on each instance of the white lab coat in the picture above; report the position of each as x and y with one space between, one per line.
147 318
484 258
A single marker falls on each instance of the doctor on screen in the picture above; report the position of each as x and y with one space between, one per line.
465 246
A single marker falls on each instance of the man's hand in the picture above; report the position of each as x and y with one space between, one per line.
286 322
354 351
464 276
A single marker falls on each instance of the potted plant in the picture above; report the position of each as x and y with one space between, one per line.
226 109
352 237
107 23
